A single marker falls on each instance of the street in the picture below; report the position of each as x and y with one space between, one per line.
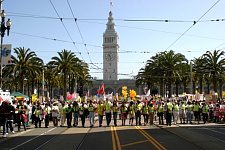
185 137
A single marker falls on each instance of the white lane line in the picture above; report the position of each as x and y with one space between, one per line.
15 135
214 131
32 138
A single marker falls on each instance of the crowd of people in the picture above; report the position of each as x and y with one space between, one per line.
146 112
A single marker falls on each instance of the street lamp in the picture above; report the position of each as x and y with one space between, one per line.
24 85
4 27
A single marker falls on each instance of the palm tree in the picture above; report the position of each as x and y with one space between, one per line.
67 63
25 64
169 61
215 63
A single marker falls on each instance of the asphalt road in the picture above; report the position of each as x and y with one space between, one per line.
183 137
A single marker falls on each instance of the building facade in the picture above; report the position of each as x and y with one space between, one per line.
110 64
110 51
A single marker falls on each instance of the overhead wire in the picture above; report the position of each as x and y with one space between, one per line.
192 25
97 46
99 19
131 27
81 35
61 20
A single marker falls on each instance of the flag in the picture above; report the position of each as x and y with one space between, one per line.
34 97
101 90
148 93
111 4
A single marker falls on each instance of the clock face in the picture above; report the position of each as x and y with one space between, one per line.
109 56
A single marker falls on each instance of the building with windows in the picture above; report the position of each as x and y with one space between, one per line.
110 64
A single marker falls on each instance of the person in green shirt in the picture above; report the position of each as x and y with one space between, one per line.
108 111
38 115
151 113
138 112
160 113
100 109
205 111
196 111
169 112
123 110
91 110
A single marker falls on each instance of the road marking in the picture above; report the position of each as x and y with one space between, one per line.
117 139
150 139
134 143
32 139
113 139
15 135
213 130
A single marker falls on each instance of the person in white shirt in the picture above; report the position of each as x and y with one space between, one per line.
55 114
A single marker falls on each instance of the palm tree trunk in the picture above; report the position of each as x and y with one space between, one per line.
208 87
170 89
64 84
214 84
161 86
221 89
177 92
200 85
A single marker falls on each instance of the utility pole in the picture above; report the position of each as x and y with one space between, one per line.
43 85
1 50
191 83
5 26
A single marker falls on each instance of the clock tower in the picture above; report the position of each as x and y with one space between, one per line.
110 51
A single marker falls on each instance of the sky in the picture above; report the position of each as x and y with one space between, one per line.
36 25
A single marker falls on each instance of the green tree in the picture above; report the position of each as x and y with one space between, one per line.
25 64
215 63
68 64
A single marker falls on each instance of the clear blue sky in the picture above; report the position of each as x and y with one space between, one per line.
138 40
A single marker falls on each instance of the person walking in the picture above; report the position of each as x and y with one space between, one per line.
75 113
175 112
21 108
169 112
108 112
63 114
4 115
131 112
123 110
10 121
38 115
115 112
55 114
82 115
47 111
100 109
69 115
34 106
196 111
160 113
182 111
205 111
138 113
151 113
189 112
91 110
145 112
